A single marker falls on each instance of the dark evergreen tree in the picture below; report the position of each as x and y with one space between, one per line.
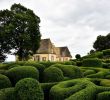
19 30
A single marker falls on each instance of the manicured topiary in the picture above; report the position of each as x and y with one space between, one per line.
69 70
29 89
77 89
4 82
13 64
2 96
69 63
46 88
88 72
78 63
53 74
17 73
80 89
104 96
9 94
92 62
105 82
2 71
106 52
39 66
47 63
3 66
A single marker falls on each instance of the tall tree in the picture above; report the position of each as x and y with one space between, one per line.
102 43
5 40
23 30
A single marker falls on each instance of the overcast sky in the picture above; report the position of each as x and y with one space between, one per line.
72 23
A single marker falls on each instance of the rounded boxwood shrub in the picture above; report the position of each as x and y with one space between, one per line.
106 52
69 70
29 89
47 63
39 66
88 72
53 74
2 96
9 94
77 89
104 96
92 62
17 73
4 82
13 64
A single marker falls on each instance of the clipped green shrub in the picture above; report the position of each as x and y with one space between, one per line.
4 82
17 73
2 71
47 63
29 89
88 72
79 63
12 64
106 65
107 76
70 71
39 66
46 89
106 52
9 94
77 89
3 66
100 73
69 63
2 96
92 62
104 96
53 74
94 55
105 82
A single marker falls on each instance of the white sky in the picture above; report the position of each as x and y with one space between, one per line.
72 23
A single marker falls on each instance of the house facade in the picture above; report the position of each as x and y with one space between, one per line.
48 52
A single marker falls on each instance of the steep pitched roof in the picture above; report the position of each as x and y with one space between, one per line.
64 52
46 46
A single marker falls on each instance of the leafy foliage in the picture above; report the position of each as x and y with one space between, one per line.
92 62
102 42
29 89
17 73
9 94
19 30
4 82
53 74
70 71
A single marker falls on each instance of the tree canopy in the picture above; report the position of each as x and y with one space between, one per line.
19 30
102 42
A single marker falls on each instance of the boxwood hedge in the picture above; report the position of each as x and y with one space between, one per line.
29 89
9 94
79 89
69 70
17 73
92 62
53 74
4 82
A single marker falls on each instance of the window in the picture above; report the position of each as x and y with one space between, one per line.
37 58
43 58
52 58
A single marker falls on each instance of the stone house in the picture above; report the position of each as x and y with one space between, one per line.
48 52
